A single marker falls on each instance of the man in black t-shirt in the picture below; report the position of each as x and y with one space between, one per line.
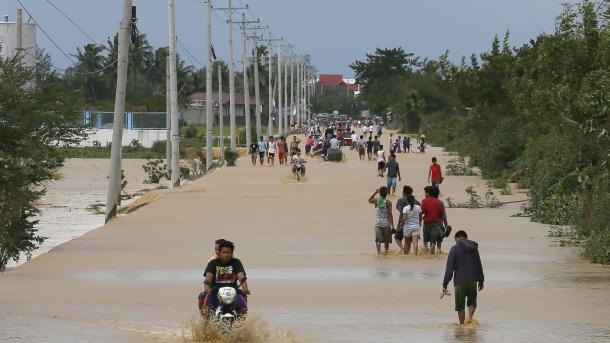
225 271
369 148
253 152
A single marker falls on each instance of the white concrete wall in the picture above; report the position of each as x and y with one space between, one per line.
8 41
145 137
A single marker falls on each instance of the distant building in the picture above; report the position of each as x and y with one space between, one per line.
8 41
195 113
330 82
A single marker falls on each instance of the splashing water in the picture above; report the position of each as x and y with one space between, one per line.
251 330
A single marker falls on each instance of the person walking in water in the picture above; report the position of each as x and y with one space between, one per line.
281 149
271 150
369 148
412 218
464 266
262 149
393 173
380 161
435 174
433 215
253 152
384 222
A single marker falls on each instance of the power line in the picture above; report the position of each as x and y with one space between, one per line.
73 22
188 52
45 33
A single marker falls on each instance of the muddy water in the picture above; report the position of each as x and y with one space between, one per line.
309 253
65 212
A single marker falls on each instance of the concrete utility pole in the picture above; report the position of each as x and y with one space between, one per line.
221 141
19 32
270 67
257 93
209 119
231 64
231 79
114 184
292 112
246 60
168 117
286 110
279 89
298 86
173 86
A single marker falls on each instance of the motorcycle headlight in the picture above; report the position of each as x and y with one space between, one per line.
227 295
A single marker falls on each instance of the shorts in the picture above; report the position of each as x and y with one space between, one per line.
408 232
380 165
432 232
281 155
392 181
307 149
253 155
211 300
436 183
383 234
399 235
465 295
261 154
361 151
271 155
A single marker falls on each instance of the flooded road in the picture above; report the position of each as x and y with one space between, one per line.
309 253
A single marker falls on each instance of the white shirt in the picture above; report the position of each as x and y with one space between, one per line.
354 138
412 216
380 156
334 143
371 128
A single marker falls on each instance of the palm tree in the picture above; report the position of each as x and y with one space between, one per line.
89 61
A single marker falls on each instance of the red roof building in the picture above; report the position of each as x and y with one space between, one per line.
331 79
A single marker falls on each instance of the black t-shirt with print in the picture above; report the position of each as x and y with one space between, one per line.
225 275
253 148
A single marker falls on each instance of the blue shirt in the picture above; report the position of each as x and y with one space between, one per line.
262 146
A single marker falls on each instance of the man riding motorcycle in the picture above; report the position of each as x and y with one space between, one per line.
225 271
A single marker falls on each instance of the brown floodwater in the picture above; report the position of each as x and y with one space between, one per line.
309 253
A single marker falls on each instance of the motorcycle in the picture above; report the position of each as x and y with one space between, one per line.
225 314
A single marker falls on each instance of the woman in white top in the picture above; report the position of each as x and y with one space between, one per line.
380 160
271 150
411 217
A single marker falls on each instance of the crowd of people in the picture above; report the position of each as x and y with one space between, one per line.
425 220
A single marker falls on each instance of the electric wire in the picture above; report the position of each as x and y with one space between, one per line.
45 33
73 22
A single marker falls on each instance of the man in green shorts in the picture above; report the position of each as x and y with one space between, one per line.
464 266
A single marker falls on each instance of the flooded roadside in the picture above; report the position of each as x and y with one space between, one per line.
67 210
311 267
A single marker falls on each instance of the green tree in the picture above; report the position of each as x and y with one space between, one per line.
35 120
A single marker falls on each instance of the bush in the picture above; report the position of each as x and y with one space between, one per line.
231 157
190 131
159 147
458 167
156 170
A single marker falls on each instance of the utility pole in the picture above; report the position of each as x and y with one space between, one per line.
209 119
298 85
168 118
286 111
270 67
173 86
221 142
279 89
19 32
257 94
231 63
292 112
246 60
114 184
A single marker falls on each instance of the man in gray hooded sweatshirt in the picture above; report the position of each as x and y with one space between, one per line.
464 266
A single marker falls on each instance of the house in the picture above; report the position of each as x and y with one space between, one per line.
330 82
195 113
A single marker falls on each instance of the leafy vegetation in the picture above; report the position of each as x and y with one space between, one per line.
475 200
458 167
538 114
36 120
